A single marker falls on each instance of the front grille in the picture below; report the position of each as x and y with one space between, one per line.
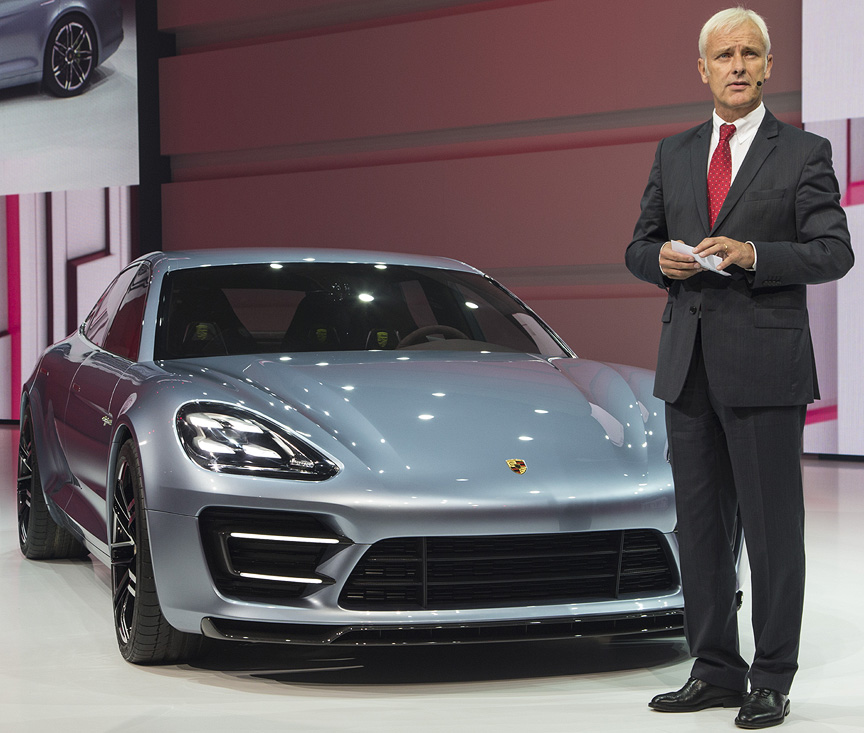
438 573
259 567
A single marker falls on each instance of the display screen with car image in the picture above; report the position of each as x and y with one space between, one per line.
69 168
57 44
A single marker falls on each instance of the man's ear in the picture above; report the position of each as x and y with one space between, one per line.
769 62
703 70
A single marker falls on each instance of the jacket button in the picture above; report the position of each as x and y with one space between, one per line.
693 309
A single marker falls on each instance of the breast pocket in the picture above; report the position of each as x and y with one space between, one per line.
769 214
765 195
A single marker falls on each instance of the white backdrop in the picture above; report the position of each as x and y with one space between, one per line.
69 245
832 105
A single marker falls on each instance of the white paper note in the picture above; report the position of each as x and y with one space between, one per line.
708 262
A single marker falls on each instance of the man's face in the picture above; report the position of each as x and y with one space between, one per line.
734 61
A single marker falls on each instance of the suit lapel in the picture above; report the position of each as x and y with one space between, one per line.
699 170
763 143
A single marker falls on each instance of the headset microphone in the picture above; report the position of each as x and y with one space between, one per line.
758 83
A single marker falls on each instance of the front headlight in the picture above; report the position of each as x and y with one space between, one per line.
229 440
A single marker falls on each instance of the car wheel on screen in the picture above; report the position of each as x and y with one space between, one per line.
143 634
70 57
39 536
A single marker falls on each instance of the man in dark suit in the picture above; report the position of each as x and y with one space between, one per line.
735 364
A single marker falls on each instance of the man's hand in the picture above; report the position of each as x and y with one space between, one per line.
677 265
731 251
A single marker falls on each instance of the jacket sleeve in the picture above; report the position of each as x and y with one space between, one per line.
823 250
643 253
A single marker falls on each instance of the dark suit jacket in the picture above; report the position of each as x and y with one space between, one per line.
754 325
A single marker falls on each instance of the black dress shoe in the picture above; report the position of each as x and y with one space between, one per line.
762 709
697 695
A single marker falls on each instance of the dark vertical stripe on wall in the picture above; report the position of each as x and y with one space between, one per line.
13 277
154 169
134 225
49 259
107 207
71 296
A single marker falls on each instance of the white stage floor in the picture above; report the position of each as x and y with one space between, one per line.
61 671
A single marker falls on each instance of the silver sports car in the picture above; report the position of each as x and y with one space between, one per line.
344 447
57 42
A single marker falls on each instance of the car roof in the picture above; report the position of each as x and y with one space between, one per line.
186 259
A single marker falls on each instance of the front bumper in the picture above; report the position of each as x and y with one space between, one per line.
196 599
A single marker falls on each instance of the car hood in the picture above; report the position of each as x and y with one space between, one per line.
460 416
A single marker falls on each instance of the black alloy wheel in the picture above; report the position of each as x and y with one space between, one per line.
123 552
143 634
25 482
39 536
70 57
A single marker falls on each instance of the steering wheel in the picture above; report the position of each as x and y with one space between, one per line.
416 336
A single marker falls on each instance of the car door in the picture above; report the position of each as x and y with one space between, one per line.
115 337
59 367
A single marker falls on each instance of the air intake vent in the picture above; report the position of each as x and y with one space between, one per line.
438 573
266 556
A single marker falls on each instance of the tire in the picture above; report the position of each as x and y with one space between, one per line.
143 634
70 57
39 536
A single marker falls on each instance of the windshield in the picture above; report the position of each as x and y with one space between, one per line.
269 308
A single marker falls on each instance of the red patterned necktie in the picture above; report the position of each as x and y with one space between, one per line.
720 173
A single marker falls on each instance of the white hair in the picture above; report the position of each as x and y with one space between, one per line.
730 19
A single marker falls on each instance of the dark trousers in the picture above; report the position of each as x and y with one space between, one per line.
746 460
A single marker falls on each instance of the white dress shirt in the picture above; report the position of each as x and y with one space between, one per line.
739 143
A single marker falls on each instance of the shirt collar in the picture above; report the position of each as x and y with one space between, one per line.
745 128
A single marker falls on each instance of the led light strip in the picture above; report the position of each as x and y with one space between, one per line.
281 578
284 538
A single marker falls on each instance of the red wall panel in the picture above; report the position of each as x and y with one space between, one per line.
537 209
513 135
537 61
179 14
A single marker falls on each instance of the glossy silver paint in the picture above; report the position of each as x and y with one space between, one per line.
25 27
421 438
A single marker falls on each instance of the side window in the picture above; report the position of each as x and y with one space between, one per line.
96 324
124 333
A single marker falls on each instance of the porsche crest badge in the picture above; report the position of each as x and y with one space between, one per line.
517 466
